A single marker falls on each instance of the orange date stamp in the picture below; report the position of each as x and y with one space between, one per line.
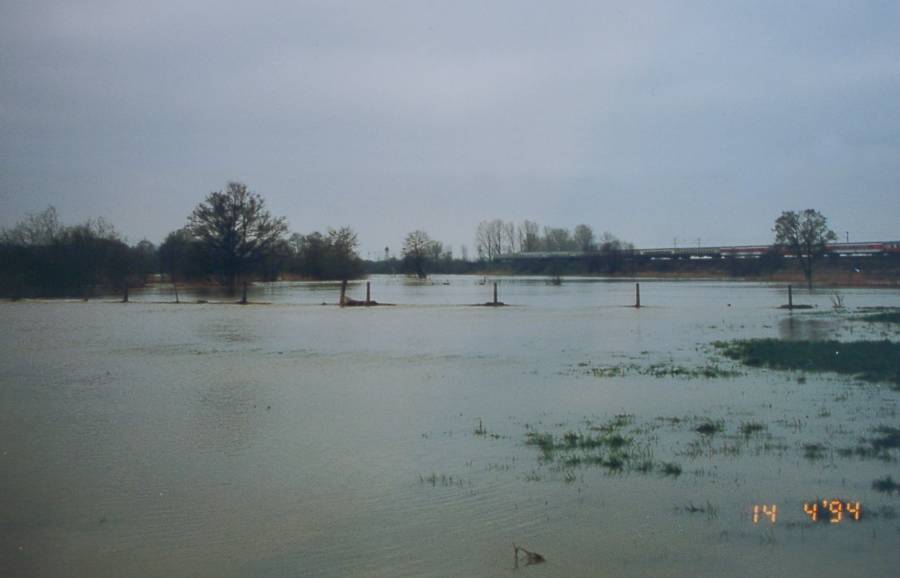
832 511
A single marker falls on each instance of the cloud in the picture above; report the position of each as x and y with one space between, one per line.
391 116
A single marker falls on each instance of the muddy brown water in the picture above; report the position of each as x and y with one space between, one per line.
295 439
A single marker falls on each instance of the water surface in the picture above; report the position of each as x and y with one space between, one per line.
288 438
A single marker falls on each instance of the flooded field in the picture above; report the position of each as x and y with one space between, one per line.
288 438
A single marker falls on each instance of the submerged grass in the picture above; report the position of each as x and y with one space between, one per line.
885 317
711 511
748 428
888 438
710 427
868 360
879 447
886 485
708 371
814 451
605 445
548 443
671 469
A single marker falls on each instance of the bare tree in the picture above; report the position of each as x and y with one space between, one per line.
529 237
584 238
236 229
510 242
418 248
557 239
489 239
36 229
803 235
174 256
495 236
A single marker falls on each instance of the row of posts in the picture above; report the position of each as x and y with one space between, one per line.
495 302
343 301
637 295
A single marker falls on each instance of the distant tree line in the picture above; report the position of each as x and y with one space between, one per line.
229 238
40 257
496 238
497 241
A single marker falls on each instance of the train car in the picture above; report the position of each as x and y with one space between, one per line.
745 251
863 249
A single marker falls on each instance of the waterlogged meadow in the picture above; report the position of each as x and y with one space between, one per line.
707 433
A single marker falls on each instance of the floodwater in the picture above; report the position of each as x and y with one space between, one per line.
287 438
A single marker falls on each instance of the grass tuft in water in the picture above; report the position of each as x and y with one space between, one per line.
886 485
749 428
889 438
670 469
544 441
710 427
711 511
880 446
813 451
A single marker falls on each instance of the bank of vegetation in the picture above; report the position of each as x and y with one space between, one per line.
231 239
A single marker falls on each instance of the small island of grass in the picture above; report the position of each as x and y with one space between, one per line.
868 360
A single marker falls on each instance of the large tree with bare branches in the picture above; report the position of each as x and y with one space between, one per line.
236 229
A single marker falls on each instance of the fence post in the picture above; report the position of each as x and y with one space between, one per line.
637 295
368 292
495 293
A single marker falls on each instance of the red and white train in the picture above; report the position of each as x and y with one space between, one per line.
753 251
873 248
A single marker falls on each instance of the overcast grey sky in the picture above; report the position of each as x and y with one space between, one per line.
651 120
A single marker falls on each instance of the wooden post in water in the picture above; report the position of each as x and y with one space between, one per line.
125 296
637 295
343 293
244 294
790 297
368 292
495 293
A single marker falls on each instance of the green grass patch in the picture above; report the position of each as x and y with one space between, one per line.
867 360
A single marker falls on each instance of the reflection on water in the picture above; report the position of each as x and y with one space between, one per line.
291 439
799 328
